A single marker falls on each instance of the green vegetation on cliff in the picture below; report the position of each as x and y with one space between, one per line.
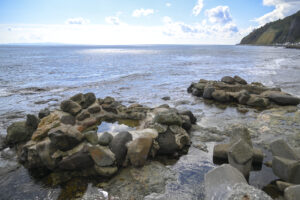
278 32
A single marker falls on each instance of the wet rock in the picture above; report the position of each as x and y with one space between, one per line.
89 99
138 150
70 107
221 96
243 97
181 136
94 109
43 113
106 171
17 132
186 122
286 169
91 137
77 161
243 191
45 125
32 121
196 92
207 93
240 80
283 99
108 100
240 156
220 151
83 115
190 114
228 80
167 98
257 101
168 118
258 156
65 137
68 119
102 156
78 98
3 144
118 146
105 139
237 132
110 107
220 180
45 149
292 192
159 127
167 143
281 149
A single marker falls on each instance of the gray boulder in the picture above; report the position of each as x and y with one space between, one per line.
167 143
138 150
83 115
257 101
284 99
102 156
286 169
68 119
240 156
221 96
118 146
228 80
243 97
91 137
45 149
18 132
77 161
65 137
168 118
292 193
220 151
105 138
220 180
237 132
70 106
281 149
207 94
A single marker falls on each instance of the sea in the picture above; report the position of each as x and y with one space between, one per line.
37 77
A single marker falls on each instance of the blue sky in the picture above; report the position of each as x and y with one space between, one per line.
136 21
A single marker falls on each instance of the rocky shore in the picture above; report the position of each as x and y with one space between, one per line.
236 90
66 142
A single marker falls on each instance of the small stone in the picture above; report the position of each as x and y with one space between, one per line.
68 119
166 98
70 107
43 113
108 100
91 137
240 80
228 80
106 171
102 156
105 139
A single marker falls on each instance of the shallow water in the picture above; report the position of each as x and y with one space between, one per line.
32 78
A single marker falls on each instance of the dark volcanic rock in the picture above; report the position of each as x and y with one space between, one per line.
118 146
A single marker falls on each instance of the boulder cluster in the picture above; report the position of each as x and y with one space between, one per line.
228 179
67 139
237 90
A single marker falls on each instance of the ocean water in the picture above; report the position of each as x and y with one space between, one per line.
36 77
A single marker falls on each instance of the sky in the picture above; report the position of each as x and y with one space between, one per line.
119 22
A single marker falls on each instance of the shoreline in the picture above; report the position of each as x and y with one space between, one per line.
289 46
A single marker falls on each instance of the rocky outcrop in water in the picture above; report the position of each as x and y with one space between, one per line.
236 90
66 141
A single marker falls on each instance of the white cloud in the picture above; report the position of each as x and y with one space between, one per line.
168 4
198 7
77 20
113 20
219 14
142 12
282 9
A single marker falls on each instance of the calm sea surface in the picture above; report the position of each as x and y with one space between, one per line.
35 77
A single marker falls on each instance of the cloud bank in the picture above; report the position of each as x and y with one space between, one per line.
142 12
77 20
